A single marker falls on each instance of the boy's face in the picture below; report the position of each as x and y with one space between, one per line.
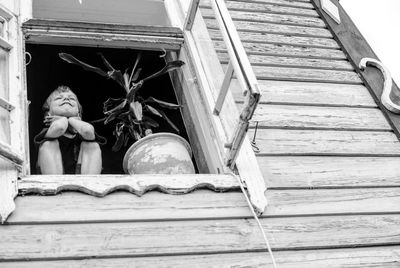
64 104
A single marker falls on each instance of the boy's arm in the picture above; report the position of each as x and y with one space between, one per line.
57 126
84 129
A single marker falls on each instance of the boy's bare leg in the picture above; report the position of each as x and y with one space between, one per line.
90 158
49 158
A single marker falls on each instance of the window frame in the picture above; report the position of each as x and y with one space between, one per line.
168 39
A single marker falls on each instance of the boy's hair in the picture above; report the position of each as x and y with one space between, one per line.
58 90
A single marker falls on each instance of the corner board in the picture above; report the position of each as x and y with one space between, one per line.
356 47
101 185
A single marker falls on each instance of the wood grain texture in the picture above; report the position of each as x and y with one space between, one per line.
70 207
267 8
154 238
8 188
210 77
302 4
318 142
281 61
306 75
268 17
290 116
286 50
248 26
288 39
101 185
304 93
143 12
371 257
357 48
330 172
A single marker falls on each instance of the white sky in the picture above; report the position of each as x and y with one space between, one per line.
379 22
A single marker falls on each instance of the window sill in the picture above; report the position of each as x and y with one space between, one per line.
101 185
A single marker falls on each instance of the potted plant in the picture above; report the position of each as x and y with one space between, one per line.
160 153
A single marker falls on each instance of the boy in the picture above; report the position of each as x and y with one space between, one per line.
67 145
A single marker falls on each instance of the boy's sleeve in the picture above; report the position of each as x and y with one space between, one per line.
97 138
40 138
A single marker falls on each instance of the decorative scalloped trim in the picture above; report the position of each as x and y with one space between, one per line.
102 185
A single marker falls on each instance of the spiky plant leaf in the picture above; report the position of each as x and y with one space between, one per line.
169 122
153 110
170 66
118 107
163 104
137 109
71 59
106 63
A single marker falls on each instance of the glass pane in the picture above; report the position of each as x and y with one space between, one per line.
3 74
4 114
4 125
136 12
1 28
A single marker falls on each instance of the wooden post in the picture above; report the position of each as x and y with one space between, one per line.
194 6
224 89
356 47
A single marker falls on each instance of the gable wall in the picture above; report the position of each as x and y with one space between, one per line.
327 155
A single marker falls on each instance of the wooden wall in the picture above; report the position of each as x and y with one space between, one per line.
137 12
328 156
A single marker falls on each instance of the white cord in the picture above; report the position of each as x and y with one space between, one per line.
257 220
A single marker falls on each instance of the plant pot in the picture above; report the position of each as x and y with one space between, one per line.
160 153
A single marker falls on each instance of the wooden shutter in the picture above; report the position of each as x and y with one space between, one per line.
11 134
210 77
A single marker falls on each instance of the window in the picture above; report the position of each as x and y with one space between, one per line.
45 37
46 71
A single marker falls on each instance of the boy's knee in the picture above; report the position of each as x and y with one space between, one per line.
90 147
50 146
88 132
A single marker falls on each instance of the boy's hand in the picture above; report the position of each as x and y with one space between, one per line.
76 117
84 129
48 120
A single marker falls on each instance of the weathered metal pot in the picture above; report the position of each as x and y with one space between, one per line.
160 153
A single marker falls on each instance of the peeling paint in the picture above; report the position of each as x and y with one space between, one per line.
160 155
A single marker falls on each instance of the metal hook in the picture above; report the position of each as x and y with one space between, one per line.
253 142
164 53
30 58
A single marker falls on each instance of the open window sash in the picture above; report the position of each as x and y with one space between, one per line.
212 78
11 131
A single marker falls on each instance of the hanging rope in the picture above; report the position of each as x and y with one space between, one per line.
257 219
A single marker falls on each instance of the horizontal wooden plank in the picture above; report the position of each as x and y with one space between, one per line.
248 26
302 4
314 172
72 207
288 39
268 17
290 116
383 257
101 185
310 93
305 75
126 239
267 8
324 142
263 60
285 50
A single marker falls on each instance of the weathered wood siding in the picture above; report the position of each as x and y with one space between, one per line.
328 155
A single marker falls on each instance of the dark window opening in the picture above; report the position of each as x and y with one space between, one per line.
46 71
